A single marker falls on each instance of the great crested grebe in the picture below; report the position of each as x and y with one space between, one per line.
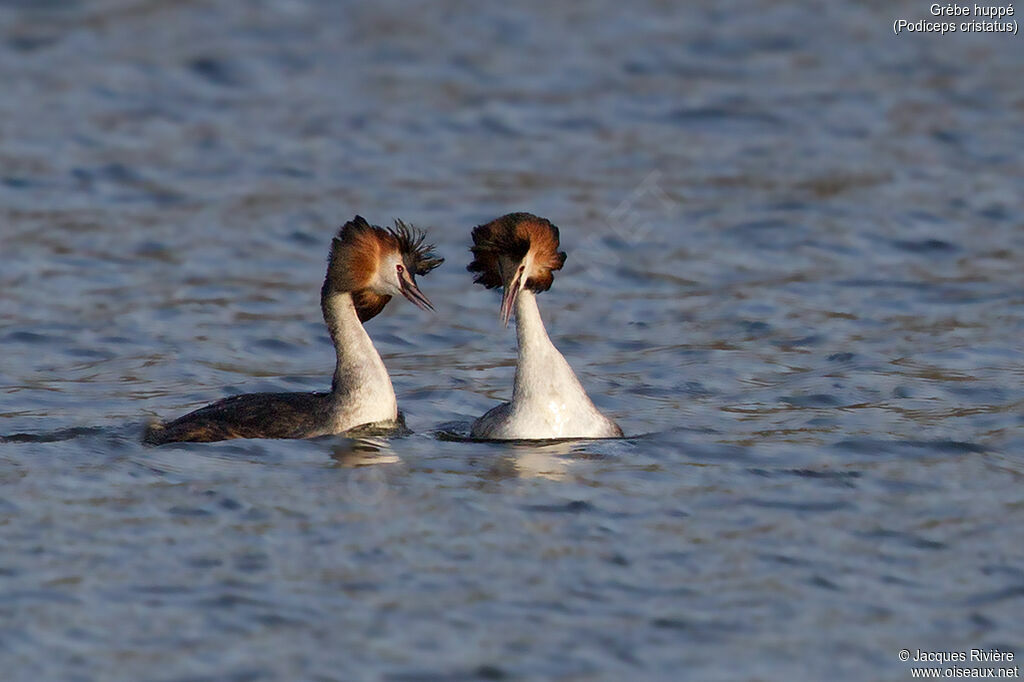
367 266
519 252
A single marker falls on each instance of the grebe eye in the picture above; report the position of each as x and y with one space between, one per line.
522 268
400 269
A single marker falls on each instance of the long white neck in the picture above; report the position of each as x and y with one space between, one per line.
548 400
361 388
541 367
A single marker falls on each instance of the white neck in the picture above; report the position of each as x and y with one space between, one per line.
540 363
361 390
548 400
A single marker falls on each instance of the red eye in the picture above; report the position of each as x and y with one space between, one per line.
400 269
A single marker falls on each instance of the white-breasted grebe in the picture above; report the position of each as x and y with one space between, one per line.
367 266
519 252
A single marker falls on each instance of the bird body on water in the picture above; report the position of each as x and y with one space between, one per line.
367 266
519 253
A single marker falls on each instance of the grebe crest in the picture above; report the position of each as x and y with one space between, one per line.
373 264
519 249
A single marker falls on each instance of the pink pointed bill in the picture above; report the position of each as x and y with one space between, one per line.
412 292
508 300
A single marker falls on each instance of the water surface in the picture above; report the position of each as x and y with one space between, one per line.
794 277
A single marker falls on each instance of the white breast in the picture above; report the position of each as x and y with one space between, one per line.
548 400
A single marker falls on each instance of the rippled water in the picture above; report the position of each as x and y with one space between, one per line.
795 278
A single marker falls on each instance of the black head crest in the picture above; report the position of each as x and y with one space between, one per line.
418 256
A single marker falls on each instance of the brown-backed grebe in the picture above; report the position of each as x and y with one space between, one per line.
519 252
367 266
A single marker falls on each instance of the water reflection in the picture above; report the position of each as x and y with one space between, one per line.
363 451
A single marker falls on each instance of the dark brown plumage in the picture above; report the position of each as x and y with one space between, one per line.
512 236
253 415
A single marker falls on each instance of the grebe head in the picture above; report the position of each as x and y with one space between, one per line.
374 264
516 251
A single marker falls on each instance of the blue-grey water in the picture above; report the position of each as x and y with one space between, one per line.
795 277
